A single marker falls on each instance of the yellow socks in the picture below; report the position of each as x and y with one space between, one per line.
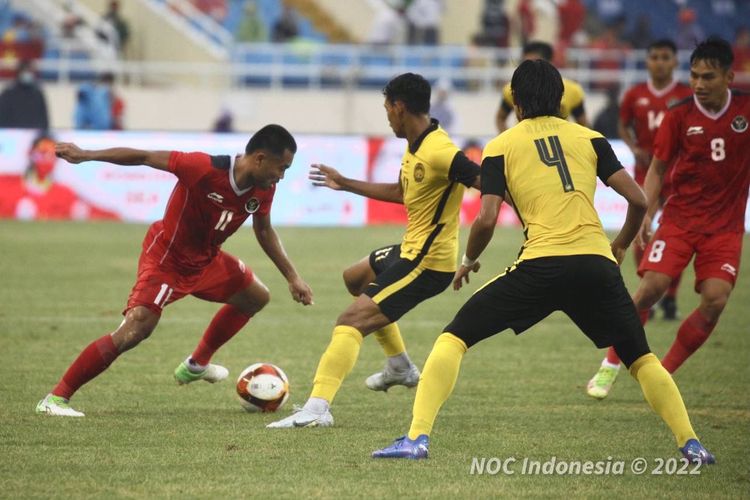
436 383
663 396
336 362
389 338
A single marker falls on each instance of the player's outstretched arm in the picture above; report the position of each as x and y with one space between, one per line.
323 175
119 156
271 244
481 233
625 186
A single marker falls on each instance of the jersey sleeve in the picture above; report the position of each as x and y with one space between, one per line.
266 202
189 167
626 108
667 137
463 169
493 176
606 161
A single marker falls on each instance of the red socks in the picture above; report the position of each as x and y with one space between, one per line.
93 360
692 334
227 322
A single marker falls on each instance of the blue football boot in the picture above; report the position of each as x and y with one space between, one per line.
696 453
404 447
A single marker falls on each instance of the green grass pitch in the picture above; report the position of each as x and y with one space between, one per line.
64 284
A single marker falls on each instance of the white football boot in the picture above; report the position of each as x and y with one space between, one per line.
56 406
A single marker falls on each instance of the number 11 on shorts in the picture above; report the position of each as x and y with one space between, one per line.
163 296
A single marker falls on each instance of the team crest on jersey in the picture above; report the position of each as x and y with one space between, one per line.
252 205
419 172
739 124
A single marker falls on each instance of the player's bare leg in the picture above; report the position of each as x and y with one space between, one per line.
229 320
697 327
138 324
650 290
398 369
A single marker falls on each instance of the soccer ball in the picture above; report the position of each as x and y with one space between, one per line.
262 387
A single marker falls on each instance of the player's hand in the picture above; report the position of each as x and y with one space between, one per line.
463 274
69 152
323 175
618 252
644 235
301 291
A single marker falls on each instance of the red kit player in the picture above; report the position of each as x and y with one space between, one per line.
641 112
706 138
182 253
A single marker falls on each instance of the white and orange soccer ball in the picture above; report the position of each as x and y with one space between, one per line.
262 387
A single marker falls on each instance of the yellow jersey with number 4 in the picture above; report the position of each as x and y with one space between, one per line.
548 167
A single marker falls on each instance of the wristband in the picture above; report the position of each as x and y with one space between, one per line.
467 262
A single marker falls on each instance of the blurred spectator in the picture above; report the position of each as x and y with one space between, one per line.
113 18
495 25
526 20
22 30
689 32
225 122
215 9
741 50
607 120
71 20
36 195
251 27
424 18
571 14
441 107
388 24
98 107
22 102
285 28
640 36
613 53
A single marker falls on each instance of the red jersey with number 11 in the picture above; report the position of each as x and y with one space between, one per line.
711 172
205 208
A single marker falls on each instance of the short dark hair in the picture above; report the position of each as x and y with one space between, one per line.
662 43
411 89
542 48
715 51
272 138
537 88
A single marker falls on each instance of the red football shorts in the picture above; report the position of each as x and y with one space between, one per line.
157 286
671 248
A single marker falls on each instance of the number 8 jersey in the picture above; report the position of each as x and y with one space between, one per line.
548 167
711 171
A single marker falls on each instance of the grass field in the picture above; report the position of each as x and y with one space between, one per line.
64 284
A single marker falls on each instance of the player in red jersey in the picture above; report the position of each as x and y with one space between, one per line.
182 253
642 110
707 139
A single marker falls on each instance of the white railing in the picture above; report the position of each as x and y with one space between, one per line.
350 66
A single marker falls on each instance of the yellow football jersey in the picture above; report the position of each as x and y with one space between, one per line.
549 166
571 103
433 174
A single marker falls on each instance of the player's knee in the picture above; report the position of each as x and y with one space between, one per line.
352 283
713 306
138 325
